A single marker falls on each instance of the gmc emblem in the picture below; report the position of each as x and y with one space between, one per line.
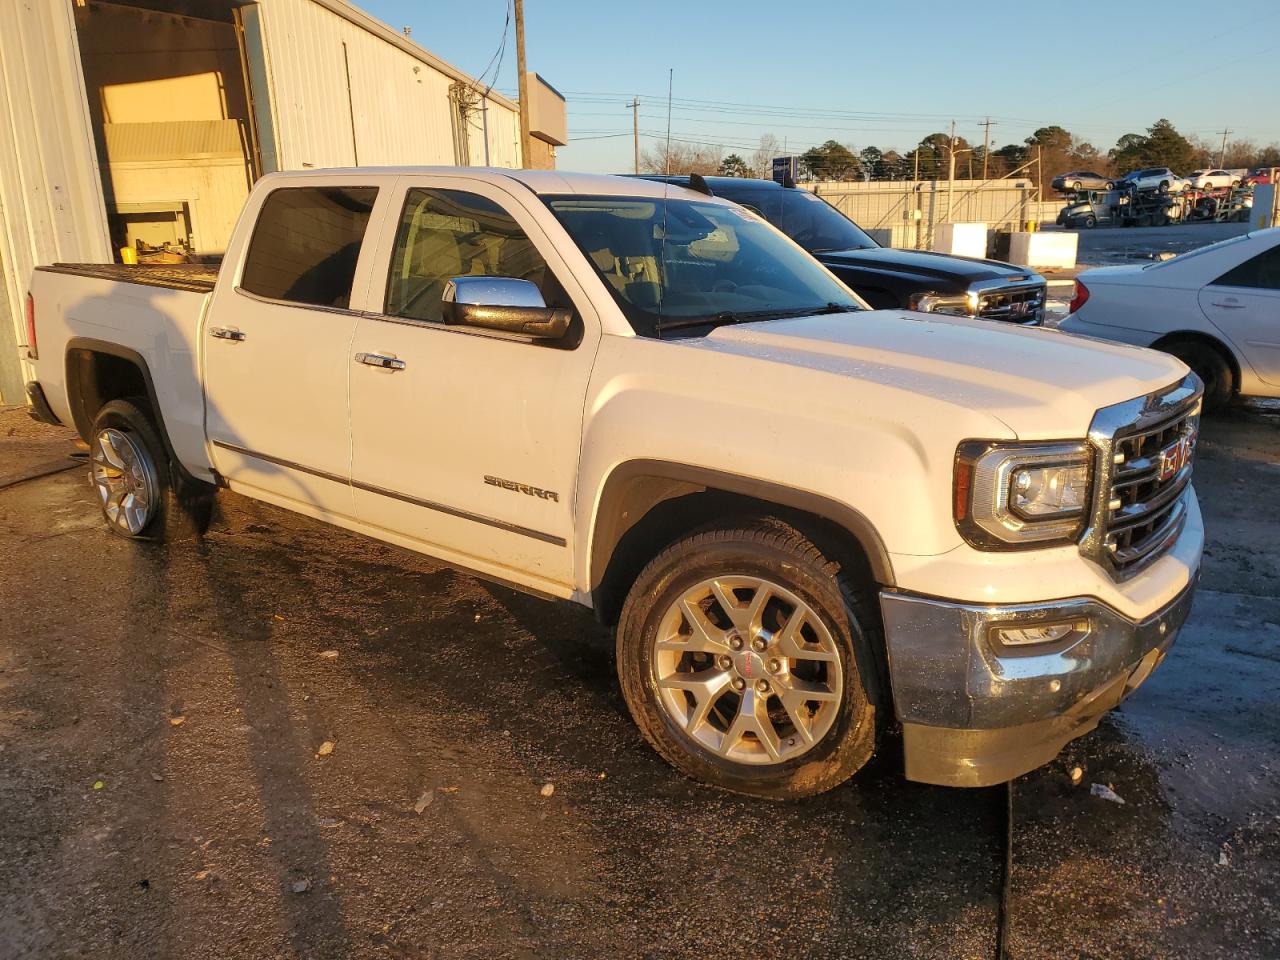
1176 455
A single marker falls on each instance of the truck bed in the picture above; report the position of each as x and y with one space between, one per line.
196 277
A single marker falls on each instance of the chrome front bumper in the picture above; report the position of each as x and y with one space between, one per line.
975 712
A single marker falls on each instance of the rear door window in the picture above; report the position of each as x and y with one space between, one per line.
1261 272
306 243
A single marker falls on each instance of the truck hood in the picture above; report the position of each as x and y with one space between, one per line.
1040 383
921 266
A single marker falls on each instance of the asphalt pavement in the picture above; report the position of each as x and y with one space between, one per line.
291 741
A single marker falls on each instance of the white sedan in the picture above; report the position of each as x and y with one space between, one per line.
1213 179
1217 309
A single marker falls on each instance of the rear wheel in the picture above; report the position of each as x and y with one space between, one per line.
745 657
1211 367
132 477
1090 222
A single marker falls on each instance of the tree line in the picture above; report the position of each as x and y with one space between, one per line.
1048 152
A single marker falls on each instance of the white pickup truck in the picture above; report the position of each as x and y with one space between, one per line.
808 519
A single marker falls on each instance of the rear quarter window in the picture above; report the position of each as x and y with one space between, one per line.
306 243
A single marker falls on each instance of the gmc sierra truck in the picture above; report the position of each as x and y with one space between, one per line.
884 277
812 523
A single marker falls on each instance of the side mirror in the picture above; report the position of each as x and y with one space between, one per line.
503 303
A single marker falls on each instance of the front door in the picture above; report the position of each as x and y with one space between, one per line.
1244 303
466 443
276 349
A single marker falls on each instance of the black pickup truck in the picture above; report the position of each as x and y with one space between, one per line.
885 277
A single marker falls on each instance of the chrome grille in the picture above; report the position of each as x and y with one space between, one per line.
1145 451
1022 304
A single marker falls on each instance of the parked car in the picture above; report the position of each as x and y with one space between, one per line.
1152 178
1258 175
1217 309
883 276
652 403
1212 179
1078 180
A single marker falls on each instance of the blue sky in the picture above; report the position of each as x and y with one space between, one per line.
869 73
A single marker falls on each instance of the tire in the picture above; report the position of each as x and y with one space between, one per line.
1111 185
1090 222
134 479
1164 186
1211 367
1078 186
832 738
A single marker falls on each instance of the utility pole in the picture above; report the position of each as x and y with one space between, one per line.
524 86
1222 157
951 169
635 128
986 125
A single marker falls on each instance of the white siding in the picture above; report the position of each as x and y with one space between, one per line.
51 205
396 110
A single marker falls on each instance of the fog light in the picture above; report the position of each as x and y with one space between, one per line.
1026 636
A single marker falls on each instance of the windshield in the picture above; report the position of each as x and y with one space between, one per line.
804 217
695 265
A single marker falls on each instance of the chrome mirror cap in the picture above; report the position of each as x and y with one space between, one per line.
505 304
493 292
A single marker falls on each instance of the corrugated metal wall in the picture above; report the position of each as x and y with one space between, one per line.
343 93
50 195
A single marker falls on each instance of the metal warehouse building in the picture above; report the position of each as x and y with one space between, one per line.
144 123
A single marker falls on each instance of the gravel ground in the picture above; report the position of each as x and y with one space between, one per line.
169 792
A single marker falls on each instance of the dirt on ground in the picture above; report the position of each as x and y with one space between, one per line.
291 741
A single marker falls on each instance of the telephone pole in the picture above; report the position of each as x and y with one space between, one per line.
1222 157
635 128
524 86
951 169
986 125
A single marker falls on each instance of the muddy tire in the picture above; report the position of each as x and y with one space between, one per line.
776 697
136 484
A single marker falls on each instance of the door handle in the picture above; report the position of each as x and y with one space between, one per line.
1229 305
227 333
379 361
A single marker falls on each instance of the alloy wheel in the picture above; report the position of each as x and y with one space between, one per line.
125 480
747 670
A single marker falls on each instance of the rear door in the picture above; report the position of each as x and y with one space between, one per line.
276 346
469 445
1244 303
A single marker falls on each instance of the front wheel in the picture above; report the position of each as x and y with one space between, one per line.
1090 222
745 656
130 473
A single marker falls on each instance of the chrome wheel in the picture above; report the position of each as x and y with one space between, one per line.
747 670
125 479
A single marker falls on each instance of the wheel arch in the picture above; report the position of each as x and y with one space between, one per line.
97 372
1169 340
644 505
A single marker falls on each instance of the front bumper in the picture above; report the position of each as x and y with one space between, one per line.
975 712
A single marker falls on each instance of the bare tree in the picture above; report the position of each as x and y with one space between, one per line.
685 158
762 159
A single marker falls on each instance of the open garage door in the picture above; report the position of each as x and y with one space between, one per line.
173 122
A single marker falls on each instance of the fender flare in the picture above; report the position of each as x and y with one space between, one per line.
634 487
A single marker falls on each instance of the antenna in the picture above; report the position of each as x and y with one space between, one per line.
671 72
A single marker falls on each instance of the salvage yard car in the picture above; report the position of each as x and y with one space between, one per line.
1078 180
1217 309
807 519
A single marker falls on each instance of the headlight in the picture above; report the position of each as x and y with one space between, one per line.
961 304
1013 495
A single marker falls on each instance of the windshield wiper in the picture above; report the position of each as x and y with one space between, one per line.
727 317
